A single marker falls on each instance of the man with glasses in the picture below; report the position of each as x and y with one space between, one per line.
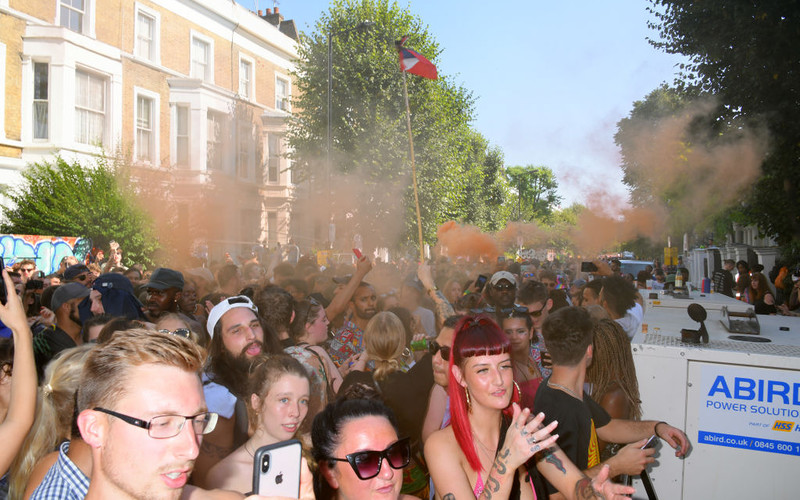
79 273
143 414
26 268
536 298
502 290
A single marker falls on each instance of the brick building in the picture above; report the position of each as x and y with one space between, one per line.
193 94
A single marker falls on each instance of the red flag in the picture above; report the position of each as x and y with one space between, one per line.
415 63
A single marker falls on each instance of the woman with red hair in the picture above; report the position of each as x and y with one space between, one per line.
493 449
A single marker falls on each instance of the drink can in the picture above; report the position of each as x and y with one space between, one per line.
419 345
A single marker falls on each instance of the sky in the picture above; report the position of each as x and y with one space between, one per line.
551 79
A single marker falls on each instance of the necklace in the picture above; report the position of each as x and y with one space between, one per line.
565 389
488 451
248 451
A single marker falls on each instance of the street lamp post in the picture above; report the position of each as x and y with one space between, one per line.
329 138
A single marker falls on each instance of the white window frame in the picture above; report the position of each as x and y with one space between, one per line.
155 44
46 100
245 150
220 143
87 28
251 85
287 106
176 136
209 76
106 105
155 114
277 157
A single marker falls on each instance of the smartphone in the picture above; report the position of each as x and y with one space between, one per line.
3 291
358 253
481 282
651 443
276 469
588 267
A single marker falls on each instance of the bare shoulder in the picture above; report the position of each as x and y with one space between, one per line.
442 439
234 472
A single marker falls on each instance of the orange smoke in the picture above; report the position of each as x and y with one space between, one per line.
466 241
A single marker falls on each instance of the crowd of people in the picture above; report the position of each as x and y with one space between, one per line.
445 379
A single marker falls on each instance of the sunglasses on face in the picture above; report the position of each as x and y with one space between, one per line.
504 288
180 332
434 347
536 314
367 464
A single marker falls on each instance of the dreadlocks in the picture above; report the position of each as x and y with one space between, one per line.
612 366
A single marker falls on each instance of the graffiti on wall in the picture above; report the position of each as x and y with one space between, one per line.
46 251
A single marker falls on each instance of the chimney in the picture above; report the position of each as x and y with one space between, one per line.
268 12
260 13
276 9
274 18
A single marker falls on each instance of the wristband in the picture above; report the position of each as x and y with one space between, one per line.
655 428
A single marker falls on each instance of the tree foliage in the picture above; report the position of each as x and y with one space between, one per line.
537 192
68 199
745 53
457 171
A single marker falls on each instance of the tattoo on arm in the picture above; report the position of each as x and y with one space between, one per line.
449 496
212 450
500 461
492 486
551 458
583 490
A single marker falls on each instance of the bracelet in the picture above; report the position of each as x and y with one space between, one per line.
655 428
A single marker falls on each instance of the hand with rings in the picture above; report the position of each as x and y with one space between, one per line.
526 436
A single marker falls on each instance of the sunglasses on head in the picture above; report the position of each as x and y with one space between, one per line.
367 464
180 332
434 347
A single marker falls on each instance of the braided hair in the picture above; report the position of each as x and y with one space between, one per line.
612 366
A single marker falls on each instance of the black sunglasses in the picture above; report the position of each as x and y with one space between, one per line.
434 347
536 314
367 464
503 288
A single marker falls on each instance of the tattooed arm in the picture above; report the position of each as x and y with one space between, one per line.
571 483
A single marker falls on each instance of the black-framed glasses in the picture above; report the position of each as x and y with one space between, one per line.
367 464
167 426
536 314
434 347
180 332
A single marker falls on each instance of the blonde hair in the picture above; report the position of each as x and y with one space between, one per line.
106 372
265 372
177 317
384 339
54 416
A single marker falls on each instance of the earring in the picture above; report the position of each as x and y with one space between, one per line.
469 402
519 392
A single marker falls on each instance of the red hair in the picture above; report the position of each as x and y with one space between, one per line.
474 336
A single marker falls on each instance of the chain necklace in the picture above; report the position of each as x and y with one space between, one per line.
248 451
565 389
488 451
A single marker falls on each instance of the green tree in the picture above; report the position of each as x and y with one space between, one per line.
69 199
745 53
537 192
370 162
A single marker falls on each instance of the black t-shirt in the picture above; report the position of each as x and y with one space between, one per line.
723 282
405 393
577 422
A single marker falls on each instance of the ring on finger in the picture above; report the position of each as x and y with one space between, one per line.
524 431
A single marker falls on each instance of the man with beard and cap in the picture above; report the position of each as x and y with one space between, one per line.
348 341
501 290
66 333
163 292
237 337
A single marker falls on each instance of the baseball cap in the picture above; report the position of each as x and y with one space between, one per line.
226 305
67 292
163 278
74 271
502 275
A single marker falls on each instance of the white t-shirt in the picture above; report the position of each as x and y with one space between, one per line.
632 321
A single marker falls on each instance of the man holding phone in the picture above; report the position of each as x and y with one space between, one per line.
581 421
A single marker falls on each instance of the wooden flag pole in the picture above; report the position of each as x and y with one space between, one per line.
413 168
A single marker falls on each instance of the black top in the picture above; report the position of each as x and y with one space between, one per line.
406 393
723 282
575 420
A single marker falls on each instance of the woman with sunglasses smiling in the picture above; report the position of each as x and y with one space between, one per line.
357 449
493 449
